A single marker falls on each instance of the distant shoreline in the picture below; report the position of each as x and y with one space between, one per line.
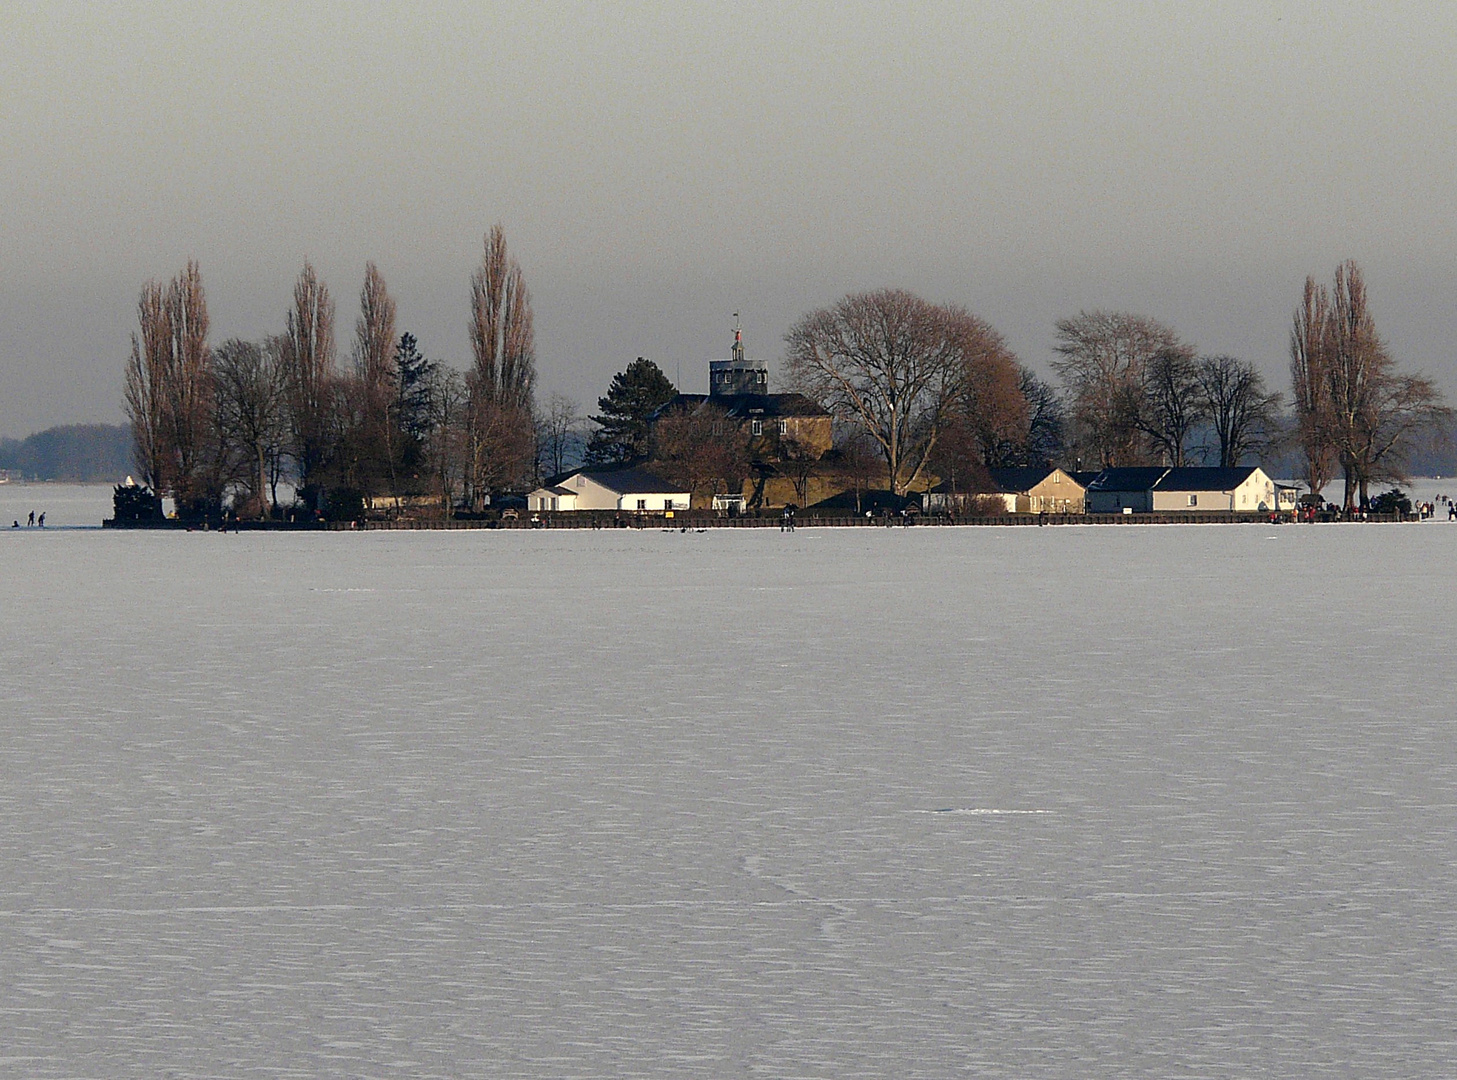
660 524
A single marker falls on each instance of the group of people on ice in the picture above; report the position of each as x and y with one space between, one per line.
31 521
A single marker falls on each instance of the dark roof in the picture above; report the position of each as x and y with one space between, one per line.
1131 478
1018 478
965 487
1083 476
631 481
753 406
869 500
622 481
1204 479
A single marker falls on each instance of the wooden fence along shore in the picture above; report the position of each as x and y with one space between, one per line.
682 521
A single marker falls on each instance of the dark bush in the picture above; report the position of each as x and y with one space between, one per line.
1394 501
133 504
200 508
344 504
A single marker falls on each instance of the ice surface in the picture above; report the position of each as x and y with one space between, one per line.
64 505
662 804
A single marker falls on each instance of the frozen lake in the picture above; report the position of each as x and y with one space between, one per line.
1156 801
64 505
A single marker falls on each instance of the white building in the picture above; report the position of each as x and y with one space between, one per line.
1287 495
631 490
1243 489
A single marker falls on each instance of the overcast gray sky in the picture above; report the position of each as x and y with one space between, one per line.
658 166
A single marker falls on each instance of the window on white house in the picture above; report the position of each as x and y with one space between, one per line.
756 427
1193 500
784 427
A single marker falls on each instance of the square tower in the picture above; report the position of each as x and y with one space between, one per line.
727 378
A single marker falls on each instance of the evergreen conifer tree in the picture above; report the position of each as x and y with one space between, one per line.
627 410
412 388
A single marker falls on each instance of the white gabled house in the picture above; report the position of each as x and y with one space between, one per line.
553 497
630 490
1245 489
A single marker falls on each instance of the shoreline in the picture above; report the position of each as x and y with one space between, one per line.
660 523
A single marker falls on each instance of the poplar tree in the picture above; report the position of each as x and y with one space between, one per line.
168 391
307 357
1351 403
371 441
500 426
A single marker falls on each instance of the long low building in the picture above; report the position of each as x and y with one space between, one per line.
630 490
1244 489
1018 490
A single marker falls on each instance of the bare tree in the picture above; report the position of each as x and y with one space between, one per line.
1241 411
799 459
1404 411
858 459
146 386
374 372
991 406
1172 405
499 447
960 460
1358 365
502 336
502 379
1310 360
308 365
1103 357
169 392
250 405
445 400
1346 382
891 363
189 392
556 432
1046 423
374 334
1005 416
274 348
701 449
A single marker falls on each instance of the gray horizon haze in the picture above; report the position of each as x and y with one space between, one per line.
658 167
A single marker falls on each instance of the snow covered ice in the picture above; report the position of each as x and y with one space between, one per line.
1065 802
